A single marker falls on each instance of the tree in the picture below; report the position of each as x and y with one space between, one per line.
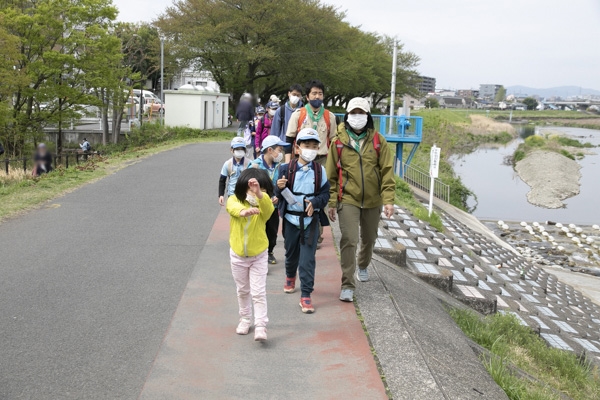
59 62
530 102
500 95
262 47
432 102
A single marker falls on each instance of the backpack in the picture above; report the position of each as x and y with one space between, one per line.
87 146
230 165
340 146
293 167
302 117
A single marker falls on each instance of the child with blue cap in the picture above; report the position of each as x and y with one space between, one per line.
232 168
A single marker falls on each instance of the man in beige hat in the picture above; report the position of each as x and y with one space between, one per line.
361 179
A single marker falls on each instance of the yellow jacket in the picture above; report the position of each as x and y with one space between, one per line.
247 235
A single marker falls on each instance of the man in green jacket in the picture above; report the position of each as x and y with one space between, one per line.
362 165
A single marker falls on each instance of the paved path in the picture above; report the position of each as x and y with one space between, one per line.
90 283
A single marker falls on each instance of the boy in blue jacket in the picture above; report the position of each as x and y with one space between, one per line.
302 190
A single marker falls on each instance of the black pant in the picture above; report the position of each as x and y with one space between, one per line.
272 229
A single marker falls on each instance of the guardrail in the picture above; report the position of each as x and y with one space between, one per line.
421 180
27 163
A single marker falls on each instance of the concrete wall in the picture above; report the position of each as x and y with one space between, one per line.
75 137
196 109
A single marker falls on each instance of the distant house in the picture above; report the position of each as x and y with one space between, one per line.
455 102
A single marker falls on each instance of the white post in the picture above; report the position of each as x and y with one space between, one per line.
393 94
434 168
162 77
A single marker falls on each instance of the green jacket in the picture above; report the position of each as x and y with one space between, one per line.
367 180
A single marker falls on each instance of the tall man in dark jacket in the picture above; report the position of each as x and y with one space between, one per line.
244 112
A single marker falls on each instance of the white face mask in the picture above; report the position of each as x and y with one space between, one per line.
272 112
294 100
357 121
308 154
278 158
239 153
250 198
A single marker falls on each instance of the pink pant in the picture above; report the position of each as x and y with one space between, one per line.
250 276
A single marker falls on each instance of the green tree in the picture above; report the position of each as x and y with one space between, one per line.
530 102
262 47
59 61
432 102
500 95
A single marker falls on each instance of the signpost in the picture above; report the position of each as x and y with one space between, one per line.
434 168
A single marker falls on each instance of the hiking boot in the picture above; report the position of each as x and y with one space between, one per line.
244 326
260 334
362 275
290 285
272 259
306 305
347 295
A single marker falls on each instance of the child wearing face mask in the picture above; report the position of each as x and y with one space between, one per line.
284 113
250 209
232 169
263 127
272 154
303 190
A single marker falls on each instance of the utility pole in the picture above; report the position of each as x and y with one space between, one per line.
393 94
162 77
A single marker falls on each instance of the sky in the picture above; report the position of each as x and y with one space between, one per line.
464 43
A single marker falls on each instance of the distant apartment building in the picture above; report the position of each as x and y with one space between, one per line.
426 85
468 93
488 91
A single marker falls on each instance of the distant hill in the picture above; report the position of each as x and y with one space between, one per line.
562 91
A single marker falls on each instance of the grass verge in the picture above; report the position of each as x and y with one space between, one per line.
406 199
21 192
552 372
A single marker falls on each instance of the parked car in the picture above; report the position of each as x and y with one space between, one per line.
155 105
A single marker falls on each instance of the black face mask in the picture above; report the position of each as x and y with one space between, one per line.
316 103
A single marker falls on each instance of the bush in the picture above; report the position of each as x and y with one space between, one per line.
535 141
519 155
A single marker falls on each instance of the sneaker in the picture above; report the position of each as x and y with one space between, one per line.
306 305
272 259
260 334
244 326
362 275
347 295
290 285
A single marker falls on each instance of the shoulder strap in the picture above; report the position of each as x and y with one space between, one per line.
230 166
301 118
377 143
339 147
282 119
318 176
292 166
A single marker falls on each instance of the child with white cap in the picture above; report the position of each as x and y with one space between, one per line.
232 168
303 190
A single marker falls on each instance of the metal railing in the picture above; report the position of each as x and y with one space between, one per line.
27 163
421 180
404 127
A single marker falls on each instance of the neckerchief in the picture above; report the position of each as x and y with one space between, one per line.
313 117
356 138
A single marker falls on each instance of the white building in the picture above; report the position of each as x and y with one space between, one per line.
196 107
189 76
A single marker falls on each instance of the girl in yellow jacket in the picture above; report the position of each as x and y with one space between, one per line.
250 209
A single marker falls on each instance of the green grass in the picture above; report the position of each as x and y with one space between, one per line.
27 192
406 199
554 371
551 142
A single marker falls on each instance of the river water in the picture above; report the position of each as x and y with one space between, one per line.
501 194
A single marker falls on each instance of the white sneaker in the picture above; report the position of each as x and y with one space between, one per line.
244 326
260 334
347 295
362 275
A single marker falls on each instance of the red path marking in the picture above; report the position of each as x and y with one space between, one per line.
320 356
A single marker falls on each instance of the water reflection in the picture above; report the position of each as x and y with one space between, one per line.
501 194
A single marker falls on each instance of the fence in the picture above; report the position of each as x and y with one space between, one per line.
421 180
27 164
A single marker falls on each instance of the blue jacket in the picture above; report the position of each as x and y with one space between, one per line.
319 201
276 128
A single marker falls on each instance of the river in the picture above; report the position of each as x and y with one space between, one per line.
501 194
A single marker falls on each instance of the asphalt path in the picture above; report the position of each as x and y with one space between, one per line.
89 282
